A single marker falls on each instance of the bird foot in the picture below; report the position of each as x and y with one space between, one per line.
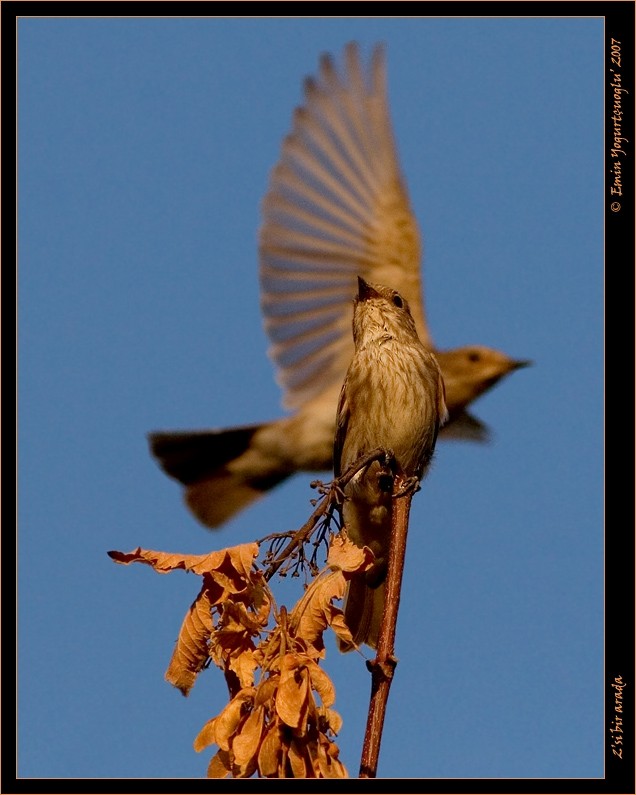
408 486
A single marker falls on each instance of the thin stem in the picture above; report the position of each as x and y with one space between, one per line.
383 666
325 506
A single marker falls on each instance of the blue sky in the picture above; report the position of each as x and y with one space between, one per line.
144 151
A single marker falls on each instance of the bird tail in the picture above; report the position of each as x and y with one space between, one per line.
217 482
363 612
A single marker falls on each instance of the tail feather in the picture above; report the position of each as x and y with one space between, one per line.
208 464
363 612
190 456
215 500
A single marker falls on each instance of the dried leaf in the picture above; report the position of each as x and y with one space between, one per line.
301 766
246 615
321 683
243 666
230 581
191 650
276 728
228 721
242 558
247 770
332 719
338 625
224 645
234 654
206 736
292 694
266 690
346 556
268 652
326 762
261 599
270 753
220 765
163 562
246 742
311 615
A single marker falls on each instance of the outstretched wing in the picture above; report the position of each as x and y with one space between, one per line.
336 208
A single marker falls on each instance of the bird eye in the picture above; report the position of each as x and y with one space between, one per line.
397 300
473 356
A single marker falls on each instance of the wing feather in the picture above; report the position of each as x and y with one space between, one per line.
336 208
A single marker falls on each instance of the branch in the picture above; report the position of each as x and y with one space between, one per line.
333 497
383 666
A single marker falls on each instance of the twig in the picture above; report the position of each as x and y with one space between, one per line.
383 666
299 537
325 508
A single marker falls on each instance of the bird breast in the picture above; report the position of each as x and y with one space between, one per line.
396 392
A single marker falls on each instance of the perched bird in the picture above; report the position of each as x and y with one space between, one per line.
336 207
392 397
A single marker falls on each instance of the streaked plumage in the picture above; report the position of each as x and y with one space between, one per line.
392 397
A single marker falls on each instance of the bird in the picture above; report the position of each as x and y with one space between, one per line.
336 207
392 398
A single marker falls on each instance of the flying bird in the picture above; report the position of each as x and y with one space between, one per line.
336 208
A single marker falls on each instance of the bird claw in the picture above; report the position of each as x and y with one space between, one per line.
409 485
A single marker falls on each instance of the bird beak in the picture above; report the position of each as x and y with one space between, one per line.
519 363
365 291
